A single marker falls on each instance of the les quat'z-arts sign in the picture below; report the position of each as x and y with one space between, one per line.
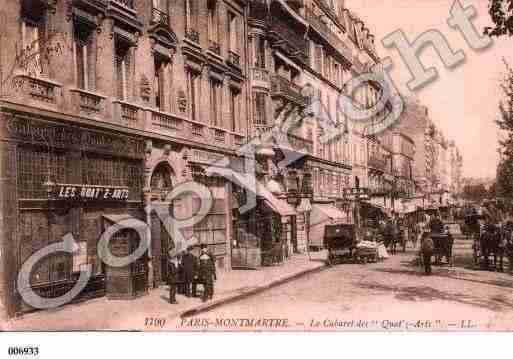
88 192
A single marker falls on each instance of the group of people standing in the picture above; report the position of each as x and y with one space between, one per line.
186 271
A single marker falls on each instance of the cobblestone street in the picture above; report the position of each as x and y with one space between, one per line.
392 294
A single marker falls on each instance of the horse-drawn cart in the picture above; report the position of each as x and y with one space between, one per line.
442 247
340 239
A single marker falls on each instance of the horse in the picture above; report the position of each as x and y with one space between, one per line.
491 244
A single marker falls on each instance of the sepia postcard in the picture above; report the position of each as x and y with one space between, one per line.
256 165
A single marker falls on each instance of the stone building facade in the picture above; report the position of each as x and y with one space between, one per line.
106 107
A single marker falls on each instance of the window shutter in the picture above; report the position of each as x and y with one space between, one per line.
79 54
194 6
91 63
318 58
128 73
119 75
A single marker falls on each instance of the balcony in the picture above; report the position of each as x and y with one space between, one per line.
219 135
315 21
165 123
258 10
377 163
238 139
159 17
234 59
197 130
326 8
88 102
281 87
41 90
284 38
125 3
322 28
214 47
260 77
128 114
124 13
192 35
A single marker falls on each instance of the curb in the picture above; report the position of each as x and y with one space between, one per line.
249 292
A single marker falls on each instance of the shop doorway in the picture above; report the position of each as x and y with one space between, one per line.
161 184
131 280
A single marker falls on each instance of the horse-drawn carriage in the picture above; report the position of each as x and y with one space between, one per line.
442 248
490 243
341 241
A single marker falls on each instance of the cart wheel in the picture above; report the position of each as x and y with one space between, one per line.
364 259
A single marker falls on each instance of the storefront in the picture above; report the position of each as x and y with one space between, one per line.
70 180
321 215
265 234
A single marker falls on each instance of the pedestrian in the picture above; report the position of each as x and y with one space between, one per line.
435 224
189 267
207 273
427 247
450 242
173 279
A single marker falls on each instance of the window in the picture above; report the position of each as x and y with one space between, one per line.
356 35
35 166
159 84
318 58
259 106
232 32
160 12
84 57
336 74
213 22
193 93
234 108
326 71
191 16
215 103
260 52
123 69
33 42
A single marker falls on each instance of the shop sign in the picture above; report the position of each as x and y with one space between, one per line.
39 131
90 192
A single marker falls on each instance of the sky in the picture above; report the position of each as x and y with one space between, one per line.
463 102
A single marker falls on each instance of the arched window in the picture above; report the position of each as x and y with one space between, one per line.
161 178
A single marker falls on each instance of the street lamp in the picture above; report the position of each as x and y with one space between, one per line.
49 186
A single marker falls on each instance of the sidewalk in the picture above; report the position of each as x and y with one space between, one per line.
105 314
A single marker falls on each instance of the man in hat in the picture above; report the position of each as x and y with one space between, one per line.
173 279
207 272
189 263
427 248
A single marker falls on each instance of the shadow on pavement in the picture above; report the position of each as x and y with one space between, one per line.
425 293
412 268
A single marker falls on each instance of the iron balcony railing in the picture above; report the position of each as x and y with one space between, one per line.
234 58
280 86
126 3
160 17
287 39
192 34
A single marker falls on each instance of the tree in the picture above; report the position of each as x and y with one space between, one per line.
474 193
492 191
505 123
501 12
